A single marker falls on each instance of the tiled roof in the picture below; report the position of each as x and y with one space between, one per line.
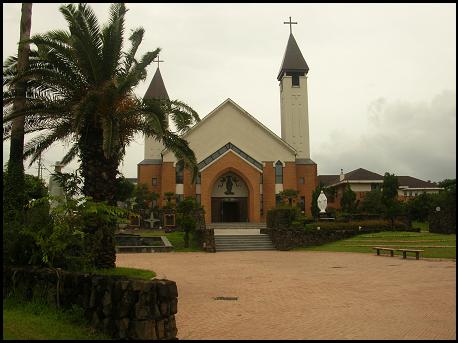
328 179
412 182
362 174
156 89
293 61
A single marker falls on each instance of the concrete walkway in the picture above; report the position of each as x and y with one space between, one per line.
307 295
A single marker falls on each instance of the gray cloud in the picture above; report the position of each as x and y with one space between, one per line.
362 57
405 138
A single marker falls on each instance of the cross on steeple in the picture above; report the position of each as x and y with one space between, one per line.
290 24
158 61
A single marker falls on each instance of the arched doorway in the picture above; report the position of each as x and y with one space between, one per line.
229 201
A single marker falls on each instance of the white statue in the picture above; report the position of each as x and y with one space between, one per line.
322 202
54 188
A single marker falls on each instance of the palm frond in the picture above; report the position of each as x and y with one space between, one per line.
135 38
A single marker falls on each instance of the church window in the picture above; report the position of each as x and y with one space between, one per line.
179 198
301 180
295 80
405 193
198 199
261 181
262 204
179 170
278 172
154 181
277 200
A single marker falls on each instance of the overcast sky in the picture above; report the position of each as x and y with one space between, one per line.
382 79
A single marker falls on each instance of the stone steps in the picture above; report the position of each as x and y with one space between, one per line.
243 243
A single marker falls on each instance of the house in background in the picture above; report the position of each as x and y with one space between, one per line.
362 181
410 187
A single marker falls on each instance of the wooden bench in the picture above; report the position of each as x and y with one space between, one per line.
405 251
391 250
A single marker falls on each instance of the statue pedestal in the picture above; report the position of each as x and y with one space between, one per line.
324 217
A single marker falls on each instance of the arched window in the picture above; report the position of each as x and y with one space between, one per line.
179 168
278 172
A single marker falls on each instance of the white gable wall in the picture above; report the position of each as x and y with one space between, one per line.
230 124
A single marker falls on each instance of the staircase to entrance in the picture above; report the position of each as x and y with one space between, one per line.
240 237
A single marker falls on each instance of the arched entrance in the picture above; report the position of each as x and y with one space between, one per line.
229 201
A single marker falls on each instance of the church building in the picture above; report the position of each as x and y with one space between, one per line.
243 165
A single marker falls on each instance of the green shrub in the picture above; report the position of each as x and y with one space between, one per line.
365 225
282 217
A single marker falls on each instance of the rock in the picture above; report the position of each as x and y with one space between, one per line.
142 329
160 329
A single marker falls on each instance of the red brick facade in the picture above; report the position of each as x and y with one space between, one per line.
300 177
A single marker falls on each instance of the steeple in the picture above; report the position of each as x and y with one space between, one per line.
293 61
294 98
156 89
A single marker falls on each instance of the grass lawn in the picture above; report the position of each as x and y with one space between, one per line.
35 320
176 238
423 226
434 245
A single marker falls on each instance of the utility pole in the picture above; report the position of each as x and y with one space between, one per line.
40 168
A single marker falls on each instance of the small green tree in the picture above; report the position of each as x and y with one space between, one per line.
142 197
289 194
372 202
348 201
124 189
169 196
392 207
186 217
419 207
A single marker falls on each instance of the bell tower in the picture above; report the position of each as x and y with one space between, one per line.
156 90
294 98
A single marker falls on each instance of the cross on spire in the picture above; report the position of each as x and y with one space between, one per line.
290 24
158 61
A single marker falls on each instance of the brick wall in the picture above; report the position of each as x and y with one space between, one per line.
231 163
309 173
167 179
268 187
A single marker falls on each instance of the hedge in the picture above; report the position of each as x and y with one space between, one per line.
365 225
281 217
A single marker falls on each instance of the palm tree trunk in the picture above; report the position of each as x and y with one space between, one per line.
99 172
99 175
14 195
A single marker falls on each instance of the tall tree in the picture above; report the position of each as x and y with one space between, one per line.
82 91
14 193
389 197
348 201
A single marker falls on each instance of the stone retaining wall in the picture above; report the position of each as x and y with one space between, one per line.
286 239
124 308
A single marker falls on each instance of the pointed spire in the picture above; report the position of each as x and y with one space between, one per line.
156 89
293 61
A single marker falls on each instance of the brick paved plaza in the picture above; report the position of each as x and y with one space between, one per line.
307 295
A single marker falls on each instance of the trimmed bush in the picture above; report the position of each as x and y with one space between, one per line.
442 222
282 217
365 225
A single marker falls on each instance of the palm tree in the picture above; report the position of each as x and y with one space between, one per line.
80 90
14 187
